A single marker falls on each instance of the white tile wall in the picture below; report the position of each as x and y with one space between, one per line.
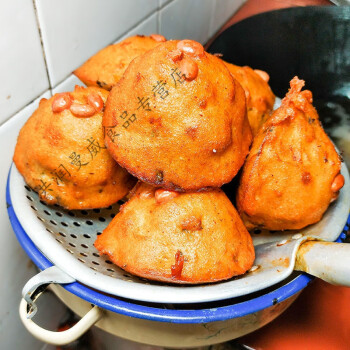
147 27
22 67
222 11
74 30
163 2
71 32
15 267
67 84
183 19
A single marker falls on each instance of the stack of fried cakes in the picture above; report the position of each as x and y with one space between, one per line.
181 121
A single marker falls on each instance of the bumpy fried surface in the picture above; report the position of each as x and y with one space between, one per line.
178 237
105 68
260 98
64 159
181 119
292 172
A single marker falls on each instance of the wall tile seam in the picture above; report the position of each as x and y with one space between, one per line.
211 21
214 35
158 17
123 34
110 43
50 89
208 36
26 105
41 43
46 70
161 8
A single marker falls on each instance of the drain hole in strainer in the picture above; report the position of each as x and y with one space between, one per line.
72 244
95 262
84 212
110 270
86 235
28 188
112 216
62 234
98 233
32 206
96 210
102 219
58 240
30 198
59 214
76 223
53 222
47 212
43 203
84 254
83 261
73 235
109 208
69 251
95 254
70 213
257 231
93 268
89 222
64 224
126 275
108 262
85 246
40 218
48 230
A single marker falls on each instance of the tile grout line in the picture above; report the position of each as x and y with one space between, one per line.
211 21
158 17
46 70
112 42
42 45
217 32
166 5
25 106
158 22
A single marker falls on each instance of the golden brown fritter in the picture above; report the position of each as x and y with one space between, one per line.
181 118
260 98
61 154
105 68
178 237
293 170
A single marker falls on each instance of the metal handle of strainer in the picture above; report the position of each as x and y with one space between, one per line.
27 308
59 338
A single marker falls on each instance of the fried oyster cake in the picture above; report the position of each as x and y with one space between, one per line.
61 154
180 117
292 173
105 68
178 237
260 99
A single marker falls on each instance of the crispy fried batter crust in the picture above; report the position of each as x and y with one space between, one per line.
290 176
191 238
105 68
260 98
64 159
187 135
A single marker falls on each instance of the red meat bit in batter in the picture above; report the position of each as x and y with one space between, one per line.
176 269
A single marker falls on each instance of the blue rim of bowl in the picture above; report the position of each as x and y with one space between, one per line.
189 316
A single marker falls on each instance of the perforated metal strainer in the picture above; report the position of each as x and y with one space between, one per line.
66 238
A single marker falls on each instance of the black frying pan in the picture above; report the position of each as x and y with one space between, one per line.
310 42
